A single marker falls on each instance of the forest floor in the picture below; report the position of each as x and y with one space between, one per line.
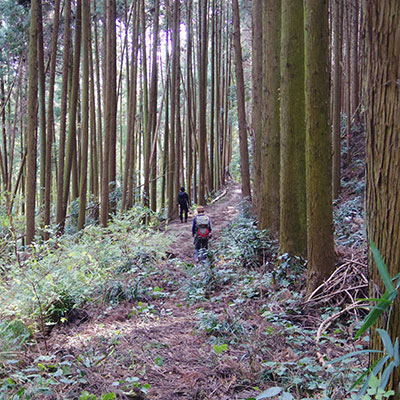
214 332
160 344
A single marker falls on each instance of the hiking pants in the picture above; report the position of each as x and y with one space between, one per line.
183 209
199 244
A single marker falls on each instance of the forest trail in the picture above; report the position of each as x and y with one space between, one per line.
158 342
221 213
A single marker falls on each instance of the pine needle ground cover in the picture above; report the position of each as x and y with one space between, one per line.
126 315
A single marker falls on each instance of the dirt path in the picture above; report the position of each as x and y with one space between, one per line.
158 342
221 213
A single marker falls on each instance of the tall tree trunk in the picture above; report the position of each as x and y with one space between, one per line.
244 152
293 224
355 97
60 221
32 124
153 110
178 130
133 108
270 153
110 93
164 180
111 114
72 115
190 90
336 99
14 136
85 114
127 192
50 118
4 159
172 210
94 153
318 145
212 100
348 80
382 111
257 81
145 105
218 81
99 96
202 62
42 112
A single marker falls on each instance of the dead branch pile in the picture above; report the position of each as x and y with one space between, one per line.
346 288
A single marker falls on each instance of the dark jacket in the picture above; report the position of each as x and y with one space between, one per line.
183 199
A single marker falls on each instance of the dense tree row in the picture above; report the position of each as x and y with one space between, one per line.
306 81
117 112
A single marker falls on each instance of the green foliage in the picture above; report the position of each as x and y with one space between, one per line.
242 244
222 328
206 278
14 23
386 300
103 264
347 217
374 391
289 270
45 376
390 359
87 396
272 392
13 335
60 276
219 349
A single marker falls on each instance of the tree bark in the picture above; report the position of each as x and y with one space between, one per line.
382 120
130 162
355 97
63 116
318 145
110 93
336 99
203 7
85 114
71 150
42 113
111 113
190 91
293 224
244 152
172 196
50 118
32 125
270 142
153 110
145 107
257 81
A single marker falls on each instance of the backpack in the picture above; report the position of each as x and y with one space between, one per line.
202 223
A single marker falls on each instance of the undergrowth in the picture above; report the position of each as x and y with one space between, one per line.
245 272
60 277
250 306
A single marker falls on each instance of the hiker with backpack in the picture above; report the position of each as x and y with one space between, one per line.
183 201
201 231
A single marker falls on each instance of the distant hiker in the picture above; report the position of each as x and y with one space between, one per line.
183 201
201 231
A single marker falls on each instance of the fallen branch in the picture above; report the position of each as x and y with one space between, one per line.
325 324
219 197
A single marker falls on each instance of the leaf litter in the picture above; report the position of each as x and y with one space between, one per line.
242 334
